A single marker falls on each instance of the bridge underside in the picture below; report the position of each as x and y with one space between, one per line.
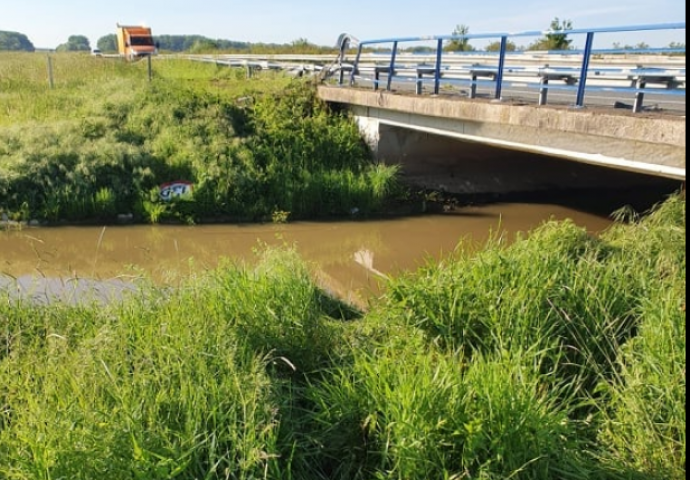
466 146
478 169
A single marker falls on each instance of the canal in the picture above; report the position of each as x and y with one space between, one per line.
347 257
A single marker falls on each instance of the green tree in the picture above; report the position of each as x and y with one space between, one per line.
203 45
496 46
15 41
302 45
638 46
461 43
75 43
556 38
107 43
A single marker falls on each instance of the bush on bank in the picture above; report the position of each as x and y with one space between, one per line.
90 150
556 357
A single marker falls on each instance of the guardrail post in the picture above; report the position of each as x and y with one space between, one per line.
437 71
543 90
391 69
501 65
639 96
544 86
580 100
473 86
355 65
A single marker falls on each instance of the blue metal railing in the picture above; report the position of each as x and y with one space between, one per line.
445 67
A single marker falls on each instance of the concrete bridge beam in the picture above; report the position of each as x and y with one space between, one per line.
649 144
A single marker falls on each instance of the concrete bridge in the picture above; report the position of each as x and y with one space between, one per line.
466 143
474 122
442 141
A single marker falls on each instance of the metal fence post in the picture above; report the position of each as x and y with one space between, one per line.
437 71
501 65
580 101
355 65
149 67
391 68
639 96
544 88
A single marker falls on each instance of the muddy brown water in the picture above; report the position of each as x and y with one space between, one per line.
347 257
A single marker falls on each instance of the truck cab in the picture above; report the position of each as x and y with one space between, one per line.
135 42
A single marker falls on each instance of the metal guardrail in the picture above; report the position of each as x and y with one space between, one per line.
614 71
296 65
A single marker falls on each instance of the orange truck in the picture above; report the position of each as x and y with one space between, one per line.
135 41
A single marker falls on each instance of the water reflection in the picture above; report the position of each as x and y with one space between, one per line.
43 291
348 258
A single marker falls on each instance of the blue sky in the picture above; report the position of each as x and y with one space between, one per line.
48 23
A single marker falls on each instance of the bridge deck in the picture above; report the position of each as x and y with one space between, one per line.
645 142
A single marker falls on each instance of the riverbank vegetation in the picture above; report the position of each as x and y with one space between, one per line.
557 356
104 138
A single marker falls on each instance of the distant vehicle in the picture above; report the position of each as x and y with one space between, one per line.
96 52
134 42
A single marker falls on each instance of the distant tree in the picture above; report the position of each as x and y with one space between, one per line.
639 46
15 41
182 43
496 46
203 45
75 43
107 43
556 38
300 42
677 46
460 44
199 43
302 45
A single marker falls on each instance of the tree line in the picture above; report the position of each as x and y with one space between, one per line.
15 41
556 38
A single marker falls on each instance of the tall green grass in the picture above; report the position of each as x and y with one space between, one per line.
251 372
415 413
644 420
601 319
556 356
251 147
183 384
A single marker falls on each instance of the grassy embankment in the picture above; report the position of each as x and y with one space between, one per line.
102 141
558 356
